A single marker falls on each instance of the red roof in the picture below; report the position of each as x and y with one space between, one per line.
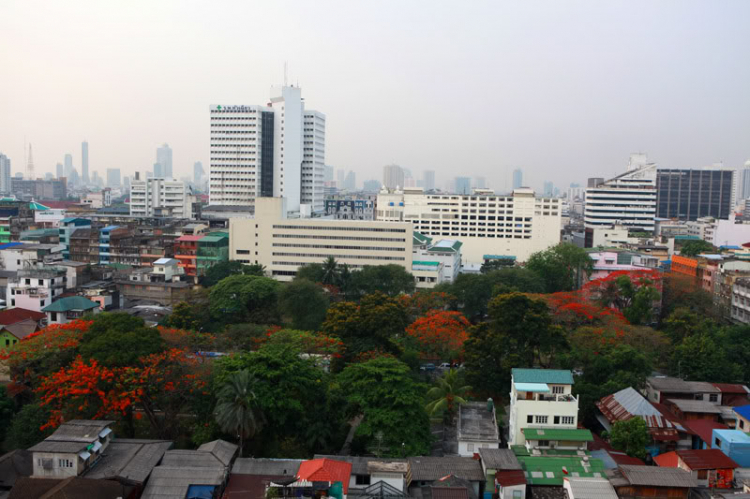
326 470
508 478
704 428
731 388
697 459
15 315
621 458
190 238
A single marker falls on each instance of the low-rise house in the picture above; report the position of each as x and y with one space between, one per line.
251 477
702 432
733 394
477 428
72 449
710 467
104 293
192 473
34 289
14 465
634 482
129 461
505 476
449 487
367 471
552 470
661 388
70 488
319 475
743 418
166 270
686 409
427 274
69 309
589 488
425 470
733 443
163 293
17 323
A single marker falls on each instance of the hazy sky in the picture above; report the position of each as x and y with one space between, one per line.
563 89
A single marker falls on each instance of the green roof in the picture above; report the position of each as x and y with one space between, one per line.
431 264
554 376
521 450
70 303
549 470
499 257
420 238
214 237
558 434
37 206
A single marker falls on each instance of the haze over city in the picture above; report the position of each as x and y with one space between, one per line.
563 91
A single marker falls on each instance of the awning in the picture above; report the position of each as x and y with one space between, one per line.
84 455
532 387
105 432
97 446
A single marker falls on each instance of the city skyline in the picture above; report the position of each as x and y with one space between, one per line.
562 83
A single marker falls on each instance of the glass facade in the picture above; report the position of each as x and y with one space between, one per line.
692 194
266 155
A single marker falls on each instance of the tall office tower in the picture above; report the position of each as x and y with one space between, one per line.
59 170
198 172
340 178
549 188
95 178
314 160
517 178
393 176
113 178
463 185
428 180
85 162
158 170
594 181
4 174
574 185
268 162
628 199
328 173
74 179
692 194
164 158
126 182
350 183
68 165
743 182
480 182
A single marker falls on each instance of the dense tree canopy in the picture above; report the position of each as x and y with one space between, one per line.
245 298
117 340
305 303
696 247
563 267
222 270
631 437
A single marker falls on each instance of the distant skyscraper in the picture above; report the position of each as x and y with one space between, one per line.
350 183
340 178
164 158
59 170
549 188
393 176
30 174
517 178
328 173
85 162
429 180
198 172
158 170
68 165
48 176
372 185
126 182
463 185
743 176
4 174
480 182
113 177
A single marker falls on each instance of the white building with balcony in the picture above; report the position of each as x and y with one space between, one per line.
34 289
541 399
161 197
740 311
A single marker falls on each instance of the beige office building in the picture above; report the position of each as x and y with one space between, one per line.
285 244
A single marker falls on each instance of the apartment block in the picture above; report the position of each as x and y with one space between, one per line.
154 197
516 225
284 244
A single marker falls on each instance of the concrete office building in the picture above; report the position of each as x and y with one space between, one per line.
164 158
517 178
463 186
85 162
549 188
486 224
692 194
350 182
198 172
428 182
283 245
480 183
155 197
258 151
113 177
393 176
743 182
5 186
628 199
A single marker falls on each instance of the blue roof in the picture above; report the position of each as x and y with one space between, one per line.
554 376
733 436
110 227
743 410
9 245
730 247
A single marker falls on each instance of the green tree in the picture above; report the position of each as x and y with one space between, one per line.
222 270
118 340
305 303
330 271
24 431
383 391
391 280
701 357
184 316
631 437
635 300
236 407
490 265
696 247
448 393
245 298
312 272
7 411
563 267
239 337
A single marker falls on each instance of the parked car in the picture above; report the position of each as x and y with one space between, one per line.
445 365
427 367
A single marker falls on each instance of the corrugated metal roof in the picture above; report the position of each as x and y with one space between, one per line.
433 468
278 467
697 459
564 434
591 488
676 385
695 406
499 459
655 476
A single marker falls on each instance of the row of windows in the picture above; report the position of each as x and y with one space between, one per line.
342 238
351 229
348 257
327 246
539 419
480 234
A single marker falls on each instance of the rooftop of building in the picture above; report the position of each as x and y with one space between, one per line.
433 468
446 246
676 385
697 459
551 376
499 459
476 421
71 303
14 315
591 488
695 406
129 460
551 470
743 411
651 476
74 436
558 434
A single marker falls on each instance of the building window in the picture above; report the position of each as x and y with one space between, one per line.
717 443
544 443
529 419
363 479
702 474
713 397
698 396
558 389
742 423
541 419
568 420
470 447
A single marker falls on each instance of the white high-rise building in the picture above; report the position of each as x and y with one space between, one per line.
160 197
393 176
743 182
258 151
85 162
429 180
628 199
164 158
4 174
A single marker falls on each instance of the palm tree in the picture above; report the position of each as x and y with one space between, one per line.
236 411
330 271
446 395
